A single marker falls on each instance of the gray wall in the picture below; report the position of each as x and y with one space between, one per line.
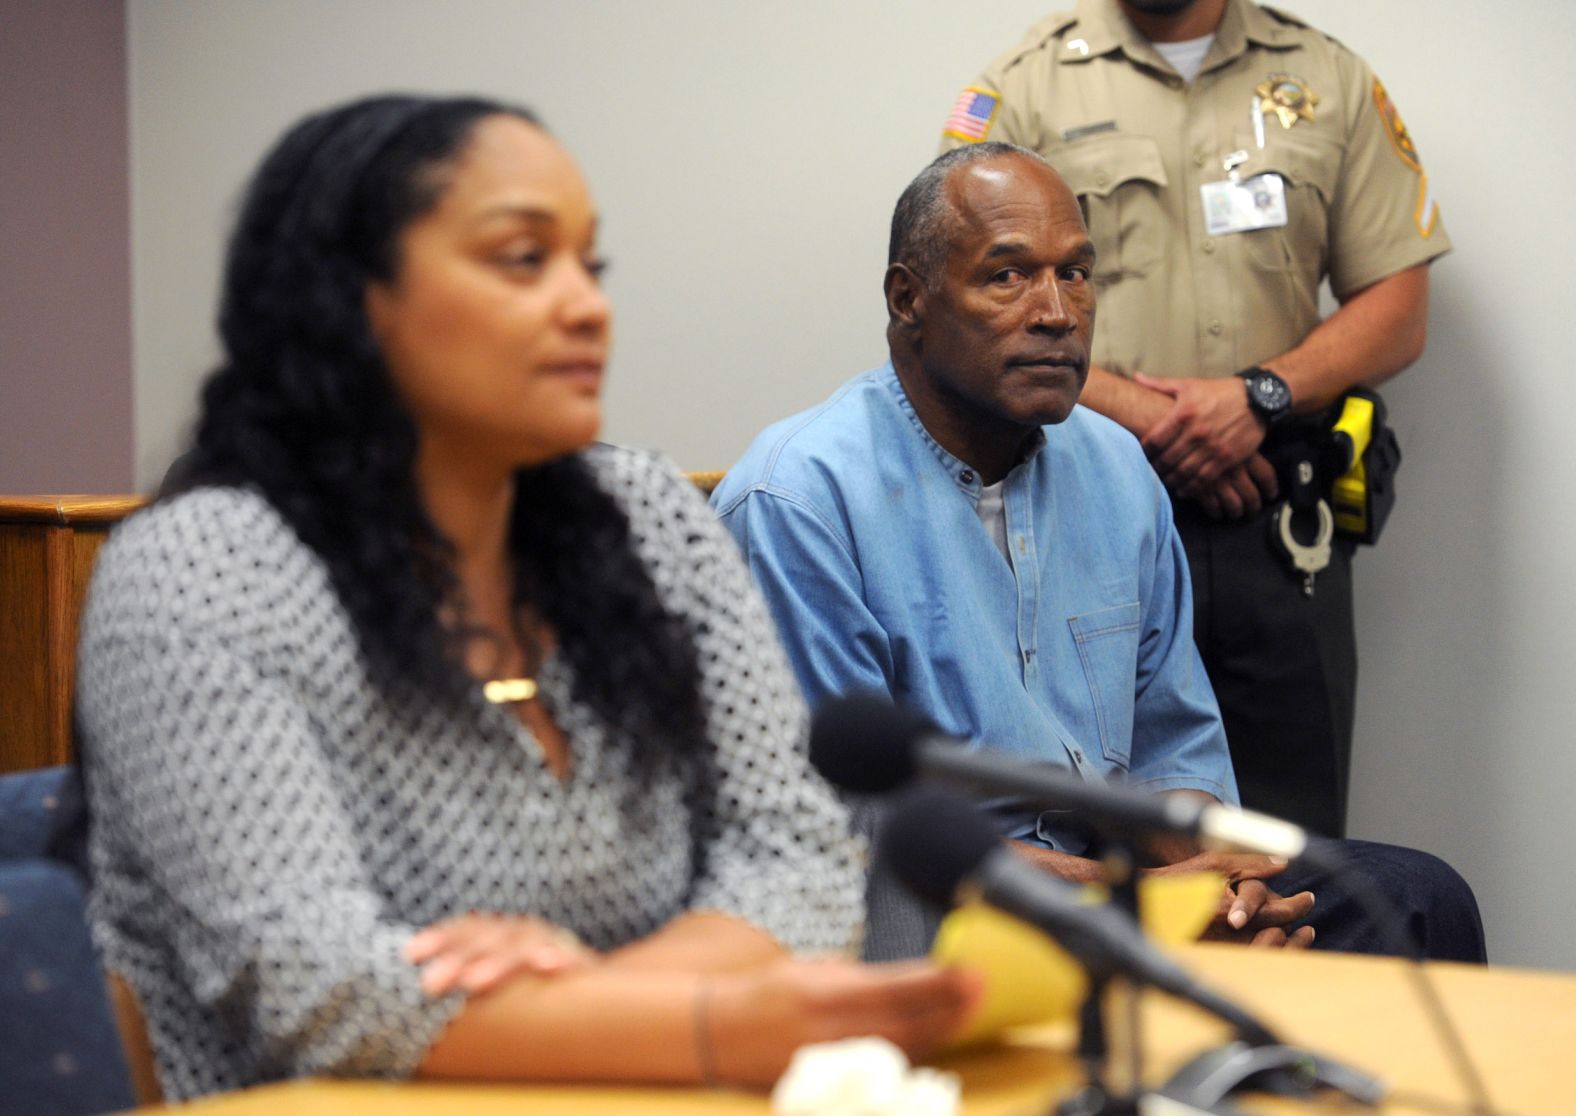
746 157
65 261
1466 709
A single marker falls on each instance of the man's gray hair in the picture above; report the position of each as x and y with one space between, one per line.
919 222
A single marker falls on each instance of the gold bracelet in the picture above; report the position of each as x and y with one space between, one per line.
703 1056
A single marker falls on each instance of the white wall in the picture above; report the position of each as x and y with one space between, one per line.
1467 707
746 157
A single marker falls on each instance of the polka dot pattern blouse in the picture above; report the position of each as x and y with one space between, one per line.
270 825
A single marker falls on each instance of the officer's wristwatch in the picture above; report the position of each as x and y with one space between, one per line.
1268 395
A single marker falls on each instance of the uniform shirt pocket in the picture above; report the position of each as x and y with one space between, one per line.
1107 642
1118 179
1310 168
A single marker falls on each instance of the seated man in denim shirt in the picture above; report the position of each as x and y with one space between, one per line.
951 529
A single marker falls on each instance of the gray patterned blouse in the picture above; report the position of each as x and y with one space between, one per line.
269 826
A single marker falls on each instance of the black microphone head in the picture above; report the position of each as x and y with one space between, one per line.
932 841
865 744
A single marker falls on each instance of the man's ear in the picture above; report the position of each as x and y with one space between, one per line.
905 295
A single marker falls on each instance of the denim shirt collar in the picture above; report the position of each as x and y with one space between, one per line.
964 476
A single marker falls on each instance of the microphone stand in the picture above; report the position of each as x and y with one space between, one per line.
1101 1096
1253 1058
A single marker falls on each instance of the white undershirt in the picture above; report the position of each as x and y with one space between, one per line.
1187 56
992 511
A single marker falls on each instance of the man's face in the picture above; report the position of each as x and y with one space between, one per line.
1004 330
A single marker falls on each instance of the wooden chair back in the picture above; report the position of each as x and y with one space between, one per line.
47 548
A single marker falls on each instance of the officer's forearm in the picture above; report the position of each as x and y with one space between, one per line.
1117 398
1374 335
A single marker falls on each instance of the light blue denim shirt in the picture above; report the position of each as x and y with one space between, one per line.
863 535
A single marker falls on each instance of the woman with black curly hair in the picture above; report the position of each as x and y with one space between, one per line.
422 734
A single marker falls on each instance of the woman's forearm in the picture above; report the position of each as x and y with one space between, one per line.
619 1025
601 1024
632 1016
701 942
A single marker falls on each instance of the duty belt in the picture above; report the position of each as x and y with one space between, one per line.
1344 456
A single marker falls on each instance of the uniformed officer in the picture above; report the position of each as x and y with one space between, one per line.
1229 158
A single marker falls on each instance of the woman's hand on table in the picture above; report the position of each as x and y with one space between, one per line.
474 953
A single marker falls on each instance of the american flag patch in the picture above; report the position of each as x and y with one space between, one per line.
972 114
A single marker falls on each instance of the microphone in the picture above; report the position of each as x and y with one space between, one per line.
865 744
940 847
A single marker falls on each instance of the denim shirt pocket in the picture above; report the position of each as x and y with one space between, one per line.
1107 642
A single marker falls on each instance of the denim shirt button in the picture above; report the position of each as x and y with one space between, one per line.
967 476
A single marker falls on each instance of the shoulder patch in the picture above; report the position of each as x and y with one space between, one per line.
972 114
1395 128
1426 213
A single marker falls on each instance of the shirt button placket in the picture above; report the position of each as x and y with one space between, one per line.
1211 286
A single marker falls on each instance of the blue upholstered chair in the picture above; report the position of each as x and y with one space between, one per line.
60 1052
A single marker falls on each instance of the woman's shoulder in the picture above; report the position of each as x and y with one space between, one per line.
213 527
673 529
623 467
204 555
204 510
646 484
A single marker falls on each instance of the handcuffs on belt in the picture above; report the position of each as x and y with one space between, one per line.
1338 469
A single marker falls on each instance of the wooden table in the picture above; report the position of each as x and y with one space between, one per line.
1520 1027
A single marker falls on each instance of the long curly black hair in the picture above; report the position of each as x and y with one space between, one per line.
303 410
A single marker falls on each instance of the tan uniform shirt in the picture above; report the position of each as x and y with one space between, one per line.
1137 143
